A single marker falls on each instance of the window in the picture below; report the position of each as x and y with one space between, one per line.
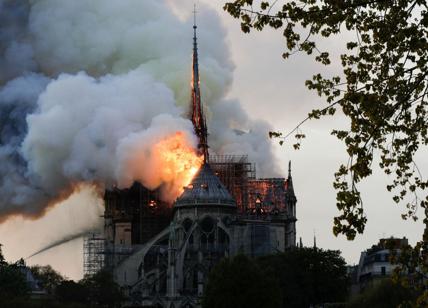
187 224
383 270
207 224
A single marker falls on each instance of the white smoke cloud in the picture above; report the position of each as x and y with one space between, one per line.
119 79
233 132
103 37
81 121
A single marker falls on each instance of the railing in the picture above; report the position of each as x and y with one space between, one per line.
206 201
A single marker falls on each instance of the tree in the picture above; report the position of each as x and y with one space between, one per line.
2 260
308 276
12 281
98 290
102 289
69 291
240 282
384 295
49 278
382 91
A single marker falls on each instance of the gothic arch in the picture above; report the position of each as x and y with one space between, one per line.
186 304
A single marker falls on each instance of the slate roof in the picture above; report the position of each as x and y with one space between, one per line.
205 189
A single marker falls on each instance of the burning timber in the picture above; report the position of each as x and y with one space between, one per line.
161 253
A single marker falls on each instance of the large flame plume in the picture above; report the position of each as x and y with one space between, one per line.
179 164
170 164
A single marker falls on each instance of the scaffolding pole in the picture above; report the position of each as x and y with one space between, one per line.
234 171
93 253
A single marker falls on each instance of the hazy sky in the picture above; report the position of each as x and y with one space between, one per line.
272 89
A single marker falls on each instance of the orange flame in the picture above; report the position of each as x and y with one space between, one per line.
178 162
169 164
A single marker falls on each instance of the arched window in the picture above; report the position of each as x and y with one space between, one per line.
187 224
207 224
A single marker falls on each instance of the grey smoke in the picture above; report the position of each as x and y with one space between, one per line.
16 52
83 82
19 192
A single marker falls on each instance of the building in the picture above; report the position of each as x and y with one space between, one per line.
375 265
161 253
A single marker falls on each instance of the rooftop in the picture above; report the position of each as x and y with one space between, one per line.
205 189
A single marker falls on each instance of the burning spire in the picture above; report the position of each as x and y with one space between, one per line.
197 114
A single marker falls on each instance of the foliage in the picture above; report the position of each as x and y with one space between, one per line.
308 276
384 294
411 270
12 280
102 289
98 290
69 291
240 282
20 302
48 278
382 89
2 260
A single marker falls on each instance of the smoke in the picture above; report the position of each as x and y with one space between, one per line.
89 88
233 132
17 99
16 52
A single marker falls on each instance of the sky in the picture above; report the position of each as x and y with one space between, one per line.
271 89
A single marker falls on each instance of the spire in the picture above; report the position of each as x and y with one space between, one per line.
290 179
197 115
315 240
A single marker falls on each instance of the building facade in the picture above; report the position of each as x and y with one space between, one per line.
172 268
375 264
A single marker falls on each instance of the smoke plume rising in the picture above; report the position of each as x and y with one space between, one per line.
89 89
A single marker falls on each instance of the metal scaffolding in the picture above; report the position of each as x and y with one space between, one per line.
234 171
141 207
93 253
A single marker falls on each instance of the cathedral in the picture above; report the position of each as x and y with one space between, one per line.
161 254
